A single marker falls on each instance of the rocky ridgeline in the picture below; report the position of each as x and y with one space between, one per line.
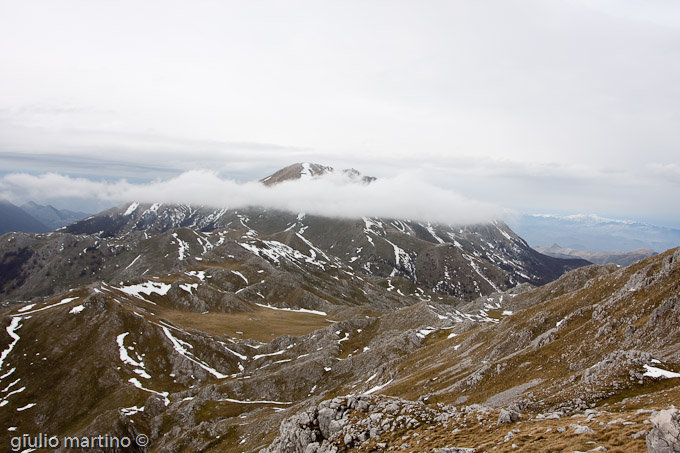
351 421
382 423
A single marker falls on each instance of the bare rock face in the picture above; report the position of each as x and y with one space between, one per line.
508 416
298 432
665 434
320 429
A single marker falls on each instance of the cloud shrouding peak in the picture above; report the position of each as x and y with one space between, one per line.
331 195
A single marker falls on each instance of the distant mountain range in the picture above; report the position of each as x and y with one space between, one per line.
52 217
620 258
35 218
592 233
13 218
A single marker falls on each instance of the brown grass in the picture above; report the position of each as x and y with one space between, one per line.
261 324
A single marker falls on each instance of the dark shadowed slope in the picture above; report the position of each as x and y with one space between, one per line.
13 218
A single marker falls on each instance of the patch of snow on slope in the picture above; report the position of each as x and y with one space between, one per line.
127 411
28 406
475 267
178 345
136 383
430 230
231 400
132 208
275 251
297 310
77 309
133 262
189 287
378 387
259 356
402 259
183 246
507 236
146 288
422 333
63 301
11 331
124 356
199 274
240 356
313 250
241 275
373 226
655 372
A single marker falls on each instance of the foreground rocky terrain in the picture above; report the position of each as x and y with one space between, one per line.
209 331
567 377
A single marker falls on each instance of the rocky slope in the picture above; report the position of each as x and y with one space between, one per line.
218 358
583 363
461 261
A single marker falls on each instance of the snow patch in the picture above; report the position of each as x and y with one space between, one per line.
77 309
179 347
231 400
145 288
655 372
136 383
242 276
28 406
296 310
63 301
11 331
378 387
132 208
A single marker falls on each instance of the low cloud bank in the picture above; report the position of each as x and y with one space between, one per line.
403 197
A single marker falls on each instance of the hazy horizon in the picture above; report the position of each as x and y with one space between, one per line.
563 107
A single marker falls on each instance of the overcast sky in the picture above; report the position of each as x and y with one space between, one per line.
560 106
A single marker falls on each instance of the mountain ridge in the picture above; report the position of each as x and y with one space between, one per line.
307 170
52 217
592 233
13 218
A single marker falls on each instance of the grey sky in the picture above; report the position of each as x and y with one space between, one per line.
561 106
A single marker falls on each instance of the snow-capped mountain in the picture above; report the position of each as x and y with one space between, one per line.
465 261
307 170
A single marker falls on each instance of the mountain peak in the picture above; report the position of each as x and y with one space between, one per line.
307 170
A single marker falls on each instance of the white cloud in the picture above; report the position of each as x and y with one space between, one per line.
669 172
333 196
528 104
